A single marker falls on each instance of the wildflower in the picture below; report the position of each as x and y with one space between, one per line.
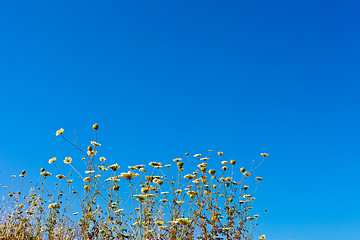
59 132
102 168
51 160
155 164
177 159
168 165
95 143
145 190
140 198
246 187
54 205
178 191
87 179
97 176
91 152
160 182
163 200
259 178
89 172
142 170
226 229
164 192
68 160
220 153
129 175
189 176
95 126
116 187
119 210
115 179
13 176
264 154
247 174
262 237
69 181
114 167
45 174
60 176
75 213
42 170
159 223
232 162
102 159
247 196
224 162
204 159
242 169
179 202
197 155
256 215
225 168
182 221
196 181
180 165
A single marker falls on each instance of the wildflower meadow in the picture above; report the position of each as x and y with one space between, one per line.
194 196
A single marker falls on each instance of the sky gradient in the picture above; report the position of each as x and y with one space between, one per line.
162 78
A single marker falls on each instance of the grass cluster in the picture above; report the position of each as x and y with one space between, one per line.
173 201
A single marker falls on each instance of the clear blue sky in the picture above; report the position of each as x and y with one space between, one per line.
162 78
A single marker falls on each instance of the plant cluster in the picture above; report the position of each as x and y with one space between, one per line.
170 201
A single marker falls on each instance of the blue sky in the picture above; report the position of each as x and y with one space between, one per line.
162 78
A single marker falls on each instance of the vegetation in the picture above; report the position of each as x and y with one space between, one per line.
172 201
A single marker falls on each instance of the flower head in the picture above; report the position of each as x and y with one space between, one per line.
95 143
59 132
129 175
190 176
114 167
264 155
182 221
140 197
247 174
45 174
156 164
68 160
51 160
54 205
